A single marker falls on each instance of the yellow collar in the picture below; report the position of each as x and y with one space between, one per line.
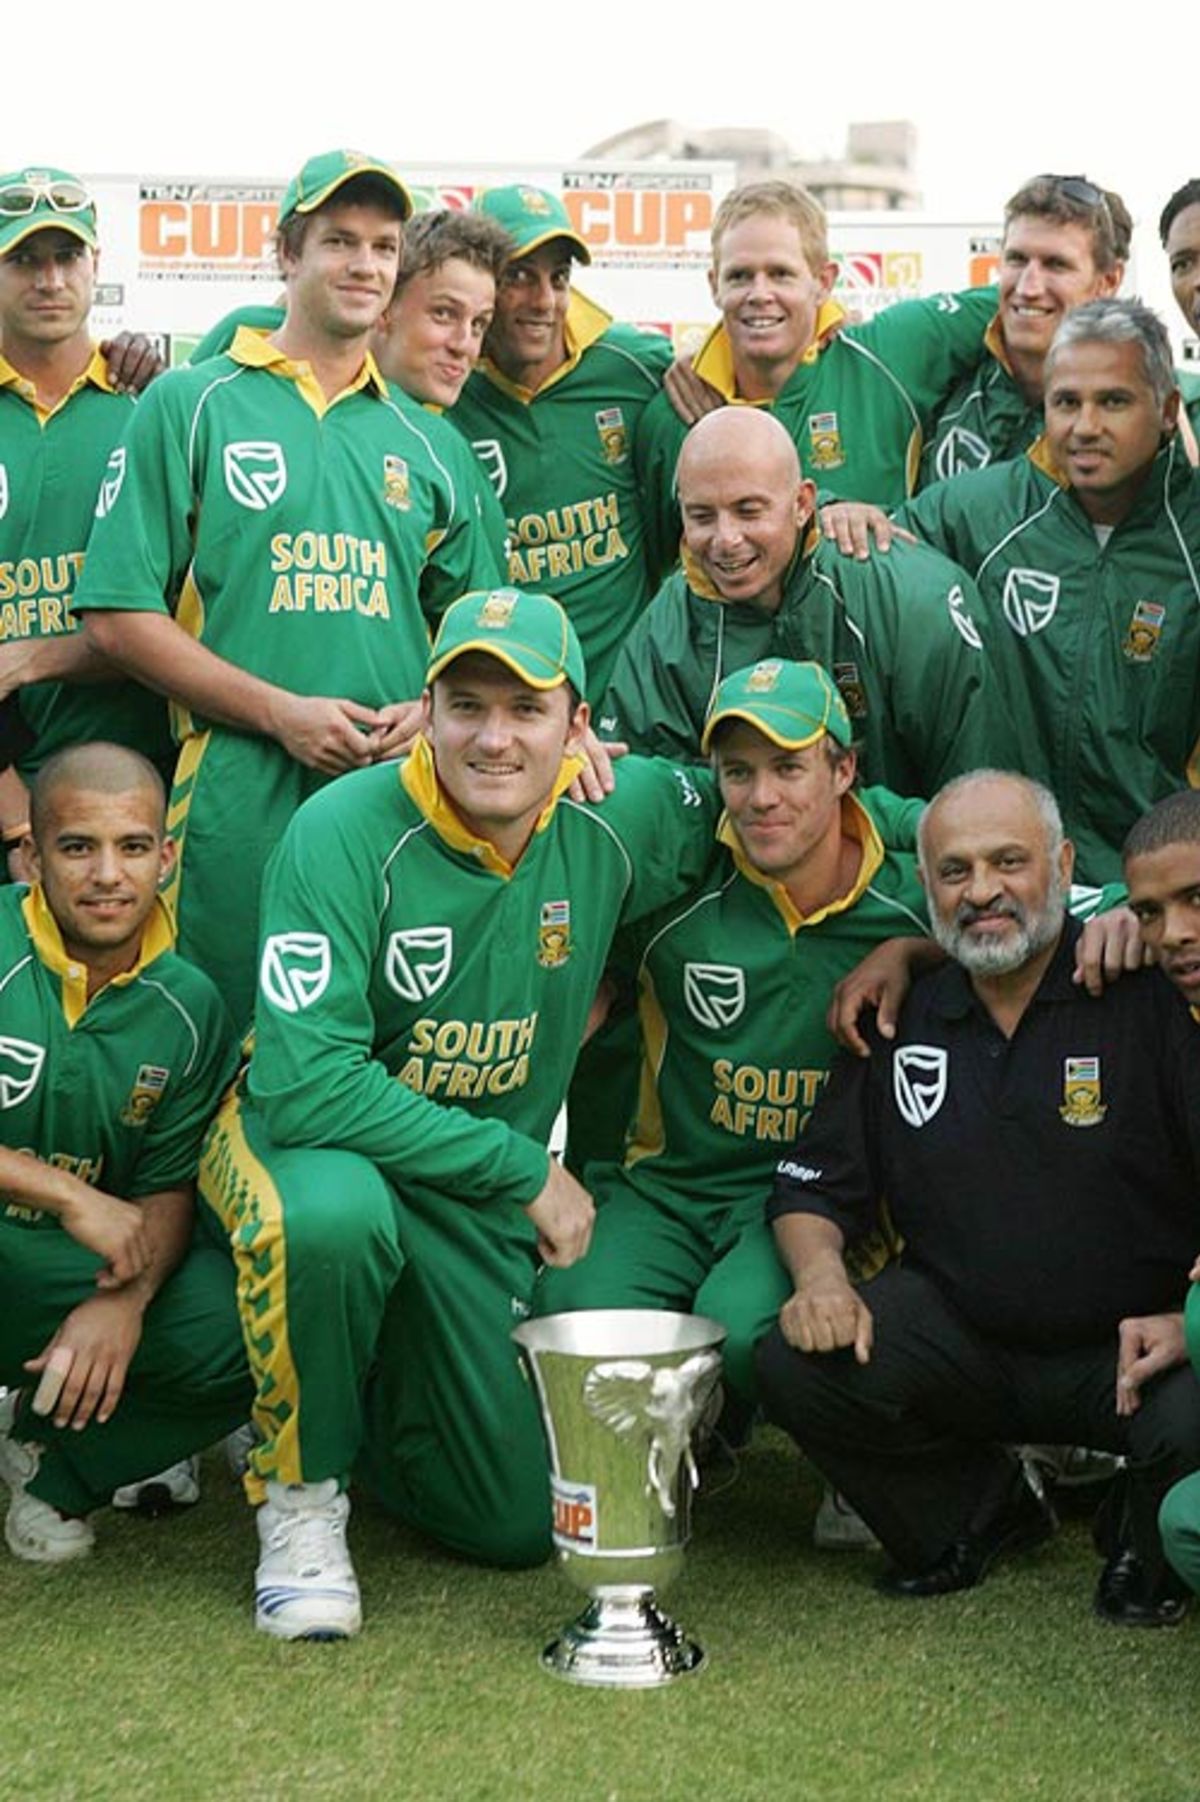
857 822
419 776
255 350
714 359
158 935
993 340
95 375
585 323
1039 455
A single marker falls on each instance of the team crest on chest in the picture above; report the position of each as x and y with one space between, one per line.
614 439
825 450
418 961
554 934
715 994
149 1085
21 1064
255 473
1145 630
395 483
1081 1103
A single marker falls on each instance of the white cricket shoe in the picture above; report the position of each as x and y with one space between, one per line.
305 1587
35 1531
176 1487
838 1528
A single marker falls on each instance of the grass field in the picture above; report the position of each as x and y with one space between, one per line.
139 1675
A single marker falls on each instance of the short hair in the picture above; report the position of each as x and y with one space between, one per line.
1186 196
1120 322
835 754
1065 199
1174 821
100 766
1038 793
431 239
361 190
784 200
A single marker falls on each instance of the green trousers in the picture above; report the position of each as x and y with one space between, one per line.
187 1383
378 1327
660 1251
1179 1516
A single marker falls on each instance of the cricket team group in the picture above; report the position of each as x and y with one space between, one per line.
437 702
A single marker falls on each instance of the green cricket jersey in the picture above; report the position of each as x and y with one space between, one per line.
985 420
51 465
407 972
1094 645
307 542
733 985
120 1089
858 404
562 463
896 633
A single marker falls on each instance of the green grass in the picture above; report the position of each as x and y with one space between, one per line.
138 1675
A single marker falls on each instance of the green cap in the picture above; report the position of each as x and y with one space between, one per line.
792 703
528 632
531 217
34 200
323 175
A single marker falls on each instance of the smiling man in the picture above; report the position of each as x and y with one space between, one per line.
1038 1150
433 936
1086 553
274 534
119 1346
895 632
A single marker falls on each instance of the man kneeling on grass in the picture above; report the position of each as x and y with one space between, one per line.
119 1346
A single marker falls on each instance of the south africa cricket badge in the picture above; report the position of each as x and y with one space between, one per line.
554 934
764 677
614 439
148 1087
850 687
824 442
395 483
1081 1103
1145 630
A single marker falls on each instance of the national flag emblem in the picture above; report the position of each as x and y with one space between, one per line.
21 1064
825 450
148 1087
418 961
764 677
715 994
295 969
614 439
554 934
395 483
497 609
1145 630
110 482
1081 1103
919 1081
255 473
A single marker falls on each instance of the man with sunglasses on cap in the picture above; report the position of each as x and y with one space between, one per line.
433 936
733 981
274 532
61 412
551 411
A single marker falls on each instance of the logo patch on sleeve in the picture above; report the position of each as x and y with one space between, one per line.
295 971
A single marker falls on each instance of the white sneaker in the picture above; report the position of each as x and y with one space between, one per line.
35 1531
838 1528
305 1587
176 1487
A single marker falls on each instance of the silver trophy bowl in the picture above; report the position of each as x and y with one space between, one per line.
621 1391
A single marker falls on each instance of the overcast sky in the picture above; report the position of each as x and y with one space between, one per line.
222 88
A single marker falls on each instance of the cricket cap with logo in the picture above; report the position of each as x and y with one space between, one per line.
792 704
529 633
35 200
531 217
323 175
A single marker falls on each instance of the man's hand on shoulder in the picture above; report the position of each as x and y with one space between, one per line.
689 394
563 1213
1109 944
881 980
132 362
596 779
857 527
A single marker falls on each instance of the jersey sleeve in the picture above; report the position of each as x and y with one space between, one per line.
141 542
208 1052
469 550
942 515
222 334
828 1172
656 446
929 345
646 704
663 817
895 817
314 1073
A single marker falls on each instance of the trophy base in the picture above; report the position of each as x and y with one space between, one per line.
622 1640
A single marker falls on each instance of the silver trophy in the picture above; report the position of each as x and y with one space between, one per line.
621 1390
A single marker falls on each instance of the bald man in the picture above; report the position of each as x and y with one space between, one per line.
896 632
119 1341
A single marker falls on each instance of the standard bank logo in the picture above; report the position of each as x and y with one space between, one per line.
418 961
715 994
964 624
295 971
959 451
919 1082
20 1066
110 482
1030 597
255 473
3 489
491 454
